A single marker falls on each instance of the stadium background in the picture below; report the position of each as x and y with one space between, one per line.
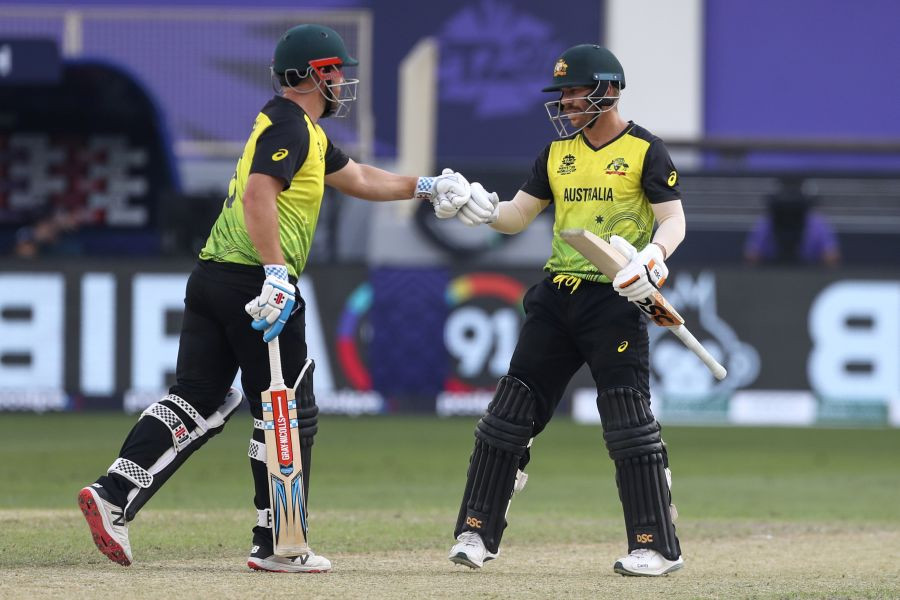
156 101
119 122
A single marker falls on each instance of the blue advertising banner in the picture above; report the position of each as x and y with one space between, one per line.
824 350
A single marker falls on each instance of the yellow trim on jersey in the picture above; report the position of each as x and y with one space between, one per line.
600 191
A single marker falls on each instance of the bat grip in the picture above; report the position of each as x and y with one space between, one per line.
275 363
702 353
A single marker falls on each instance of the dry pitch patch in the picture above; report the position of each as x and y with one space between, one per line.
748 560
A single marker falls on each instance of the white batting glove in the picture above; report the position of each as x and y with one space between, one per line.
482 207
447 192
645 272
272 308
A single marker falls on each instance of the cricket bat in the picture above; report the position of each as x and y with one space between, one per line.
609 260
279 415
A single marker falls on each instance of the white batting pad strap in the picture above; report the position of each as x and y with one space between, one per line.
306 365
232 401
131 471
672 510
181 437
257 451
259 424
190 411
521 480
264 517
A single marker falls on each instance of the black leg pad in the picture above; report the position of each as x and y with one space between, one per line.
632 437
501 443
308 421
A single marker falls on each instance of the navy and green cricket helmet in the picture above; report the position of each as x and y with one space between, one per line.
300 46
307 49
590 66
586 65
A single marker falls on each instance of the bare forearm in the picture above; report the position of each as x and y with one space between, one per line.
371 183
383 185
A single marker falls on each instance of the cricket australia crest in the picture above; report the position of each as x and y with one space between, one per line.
560 68
617 167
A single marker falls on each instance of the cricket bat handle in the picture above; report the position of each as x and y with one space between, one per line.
683 334
275 365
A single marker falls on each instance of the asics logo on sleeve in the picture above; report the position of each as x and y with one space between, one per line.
282 152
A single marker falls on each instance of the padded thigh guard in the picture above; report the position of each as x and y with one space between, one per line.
501 442
632 437
175 419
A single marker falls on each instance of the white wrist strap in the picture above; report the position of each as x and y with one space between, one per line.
264 517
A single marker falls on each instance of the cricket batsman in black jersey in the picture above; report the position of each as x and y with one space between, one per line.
246 275
614 178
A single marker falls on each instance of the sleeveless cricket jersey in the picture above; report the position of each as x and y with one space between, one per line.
285 144
606 190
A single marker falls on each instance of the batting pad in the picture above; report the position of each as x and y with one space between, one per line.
633 439
501 440
308 420
176 418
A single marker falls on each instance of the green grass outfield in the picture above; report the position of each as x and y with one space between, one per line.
764 513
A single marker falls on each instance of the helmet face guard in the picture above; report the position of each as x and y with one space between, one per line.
337 91
597 105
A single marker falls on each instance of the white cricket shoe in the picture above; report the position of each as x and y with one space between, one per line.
645 562
107 523
470 551
263 559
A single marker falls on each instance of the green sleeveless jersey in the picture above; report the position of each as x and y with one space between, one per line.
606 190
285 144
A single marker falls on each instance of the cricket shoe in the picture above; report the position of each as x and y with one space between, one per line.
469 550
262 558
645 562
107 523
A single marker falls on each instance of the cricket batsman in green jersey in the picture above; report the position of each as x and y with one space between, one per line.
242 294
615 179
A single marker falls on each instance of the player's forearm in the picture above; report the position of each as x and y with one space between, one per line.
261 218
517 214
671 229
371 183
509 219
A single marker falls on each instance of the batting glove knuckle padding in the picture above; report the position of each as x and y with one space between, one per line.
447 192
645 272
272 308
481 208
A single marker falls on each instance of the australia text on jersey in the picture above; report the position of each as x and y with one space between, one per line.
588 194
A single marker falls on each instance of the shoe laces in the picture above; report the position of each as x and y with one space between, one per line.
641 553
470 538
